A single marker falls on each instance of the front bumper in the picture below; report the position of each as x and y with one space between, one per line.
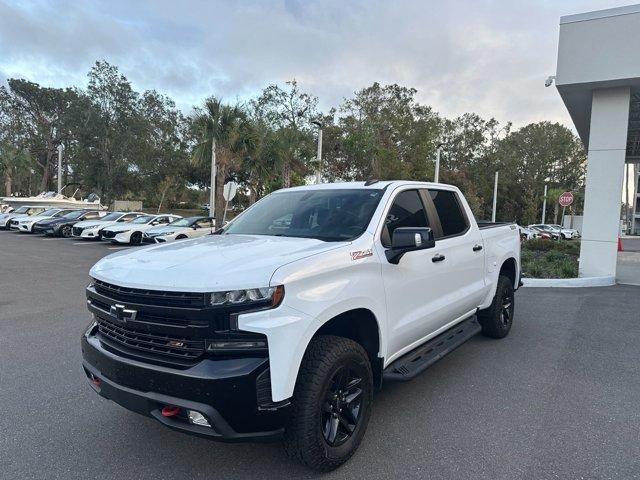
224 390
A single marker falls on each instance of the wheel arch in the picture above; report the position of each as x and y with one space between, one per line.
509 269
361 326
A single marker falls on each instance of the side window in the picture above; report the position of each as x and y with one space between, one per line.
452 219
204 223
407 211
91 216
162 220
128 217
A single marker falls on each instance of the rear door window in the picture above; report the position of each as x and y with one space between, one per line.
452 218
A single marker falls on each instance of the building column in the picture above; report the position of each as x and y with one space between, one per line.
605 175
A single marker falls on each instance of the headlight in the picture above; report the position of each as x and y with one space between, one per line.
274 295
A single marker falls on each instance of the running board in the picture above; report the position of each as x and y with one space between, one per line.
421 358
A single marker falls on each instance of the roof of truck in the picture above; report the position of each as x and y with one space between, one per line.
378 185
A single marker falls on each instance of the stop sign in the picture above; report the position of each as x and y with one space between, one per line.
566 199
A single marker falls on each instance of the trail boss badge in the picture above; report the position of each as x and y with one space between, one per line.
358 254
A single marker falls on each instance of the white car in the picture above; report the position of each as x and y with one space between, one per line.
20 212
189 227
131 232
25 224
284 323
92 229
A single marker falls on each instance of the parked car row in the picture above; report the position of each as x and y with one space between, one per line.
554 232
116 227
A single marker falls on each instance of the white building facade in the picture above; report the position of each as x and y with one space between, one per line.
598 78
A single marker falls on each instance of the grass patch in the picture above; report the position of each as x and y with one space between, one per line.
550 258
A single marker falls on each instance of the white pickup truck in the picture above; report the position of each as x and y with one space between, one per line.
285 322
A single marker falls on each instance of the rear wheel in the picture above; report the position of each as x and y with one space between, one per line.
331 403
181 237
496 320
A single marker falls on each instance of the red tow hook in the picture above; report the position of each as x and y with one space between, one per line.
170 411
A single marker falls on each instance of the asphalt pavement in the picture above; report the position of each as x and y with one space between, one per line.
558 398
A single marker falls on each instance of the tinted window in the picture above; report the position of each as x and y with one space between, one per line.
91 215
407 211
128 217
204 223
449 211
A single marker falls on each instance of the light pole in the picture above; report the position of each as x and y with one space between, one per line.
544 204
495 198
319 154
60 168
436 177
212 191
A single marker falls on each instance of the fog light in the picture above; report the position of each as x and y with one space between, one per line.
197 418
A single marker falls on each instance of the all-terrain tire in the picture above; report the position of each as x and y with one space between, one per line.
496 320
304 440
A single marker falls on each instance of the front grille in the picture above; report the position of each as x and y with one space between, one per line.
150 297
77 231
156 344
108 234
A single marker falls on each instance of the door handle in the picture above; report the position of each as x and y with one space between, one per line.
477 248
437 258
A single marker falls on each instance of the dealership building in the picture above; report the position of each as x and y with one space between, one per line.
598 78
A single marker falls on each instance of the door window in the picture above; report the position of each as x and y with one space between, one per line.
204 223
452 219
407 211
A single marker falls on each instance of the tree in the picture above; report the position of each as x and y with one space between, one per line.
289 112
218 126
41 114
382 132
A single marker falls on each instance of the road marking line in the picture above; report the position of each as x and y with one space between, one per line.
117 248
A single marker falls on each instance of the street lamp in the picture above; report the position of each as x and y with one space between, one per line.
319 154
438 153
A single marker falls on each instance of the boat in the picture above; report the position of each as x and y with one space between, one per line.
53 199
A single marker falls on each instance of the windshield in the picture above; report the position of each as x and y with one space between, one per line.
49 213
329 215
113 216
142 219
184 222
74 214
21 210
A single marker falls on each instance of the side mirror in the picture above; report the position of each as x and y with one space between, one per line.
409 239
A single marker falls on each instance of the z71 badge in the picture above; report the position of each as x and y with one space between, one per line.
358 254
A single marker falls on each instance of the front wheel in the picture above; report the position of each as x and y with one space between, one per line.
331 403
65 231
136 238
496 320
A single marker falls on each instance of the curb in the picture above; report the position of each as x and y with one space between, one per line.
569 282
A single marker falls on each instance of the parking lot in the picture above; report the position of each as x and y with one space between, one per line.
558 398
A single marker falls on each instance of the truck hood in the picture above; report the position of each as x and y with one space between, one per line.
207 264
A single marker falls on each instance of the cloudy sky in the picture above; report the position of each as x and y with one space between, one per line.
486 56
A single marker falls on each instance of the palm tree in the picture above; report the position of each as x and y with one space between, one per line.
218 126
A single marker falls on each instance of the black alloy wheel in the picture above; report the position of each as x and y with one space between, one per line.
506 310
65 231
136 238
342 406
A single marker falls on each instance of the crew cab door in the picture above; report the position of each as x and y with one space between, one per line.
415 294
460 242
